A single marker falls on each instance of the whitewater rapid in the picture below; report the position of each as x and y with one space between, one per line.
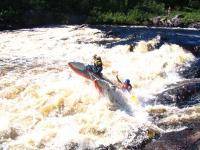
45 105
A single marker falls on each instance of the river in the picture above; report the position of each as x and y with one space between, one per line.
45 105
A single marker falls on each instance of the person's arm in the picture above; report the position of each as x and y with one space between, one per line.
130 88
118 79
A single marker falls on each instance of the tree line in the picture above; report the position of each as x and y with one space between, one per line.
26 13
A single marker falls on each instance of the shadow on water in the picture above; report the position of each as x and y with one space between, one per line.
188 38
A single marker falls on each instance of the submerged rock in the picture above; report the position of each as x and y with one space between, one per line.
10 133
188 139
193 71
182 94
195 50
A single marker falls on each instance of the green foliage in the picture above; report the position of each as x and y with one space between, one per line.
19 13
135 16
38 4
194 4
190 17
187 16
151 7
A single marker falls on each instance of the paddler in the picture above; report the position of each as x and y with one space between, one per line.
126 85
98 65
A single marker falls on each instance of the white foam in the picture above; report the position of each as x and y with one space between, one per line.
54 106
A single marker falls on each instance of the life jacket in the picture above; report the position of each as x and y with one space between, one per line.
127 87
98 62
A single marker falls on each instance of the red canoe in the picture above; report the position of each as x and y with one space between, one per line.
81 70
103 85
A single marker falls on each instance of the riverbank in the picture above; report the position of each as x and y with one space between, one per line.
156 22
145 13
182 19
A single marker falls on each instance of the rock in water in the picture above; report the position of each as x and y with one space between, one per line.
188 139
195 25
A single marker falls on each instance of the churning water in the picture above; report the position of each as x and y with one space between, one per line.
45 105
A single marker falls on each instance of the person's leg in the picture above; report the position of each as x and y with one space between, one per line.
89 67
99 69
